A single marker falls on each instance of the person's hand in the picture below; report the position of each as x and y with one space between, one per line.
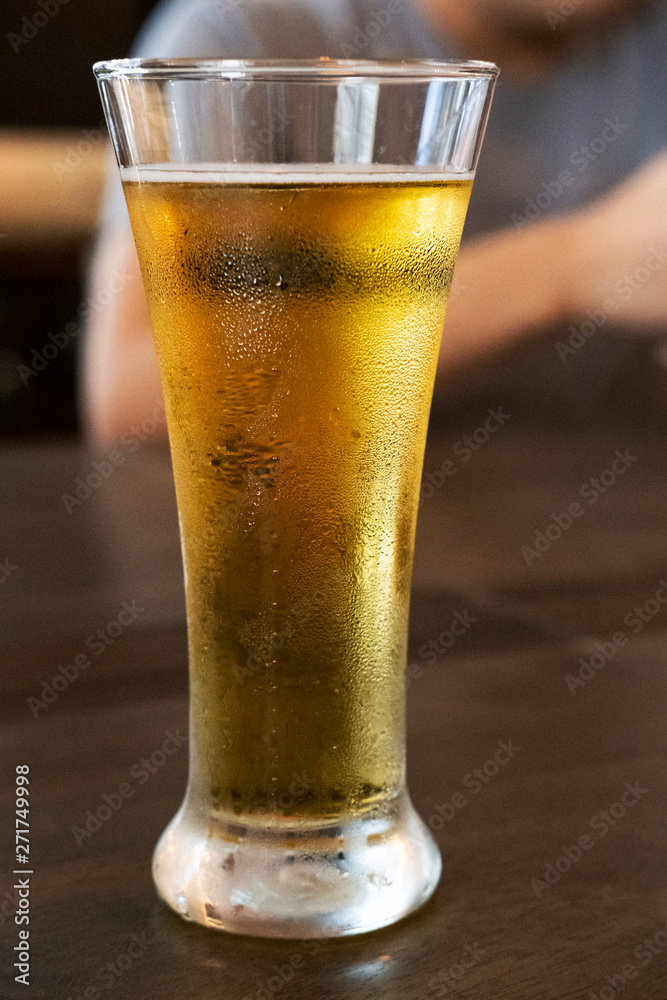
618 248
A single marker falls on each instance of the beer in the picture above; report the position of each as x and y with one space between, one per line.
297 324
296 225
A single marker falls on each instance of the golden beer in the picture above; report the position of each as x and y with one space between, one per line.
297 324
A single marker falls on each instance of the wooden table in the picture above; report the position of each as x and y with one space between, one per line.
555 860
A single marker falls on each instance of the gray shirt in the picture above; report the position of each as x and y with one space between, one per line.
553 143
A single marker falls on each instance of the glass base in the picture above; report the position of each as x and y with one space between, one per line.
296 879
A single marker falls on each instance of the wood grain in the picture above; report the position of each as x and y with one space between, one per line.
504 680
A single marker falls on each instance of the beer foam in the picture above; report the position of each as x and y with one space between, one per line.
288 175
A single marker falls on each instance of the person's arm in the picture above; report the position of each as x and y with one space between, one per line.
120 378
607 259
509 287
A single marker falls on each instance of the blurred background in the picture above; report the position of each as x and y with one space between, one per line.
53 155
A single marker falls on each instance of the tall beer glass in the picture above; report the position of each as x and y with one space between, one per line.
296 226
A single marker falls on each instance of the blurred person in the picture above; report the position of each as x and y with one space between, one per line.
565 243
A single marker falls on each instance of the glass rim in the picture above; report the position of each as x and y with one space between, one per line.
303 70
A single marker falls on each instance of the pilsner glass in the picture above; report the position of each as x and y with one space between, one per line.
296 226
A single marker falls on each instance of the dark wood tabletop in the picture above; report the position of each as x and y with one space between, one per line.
551 545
